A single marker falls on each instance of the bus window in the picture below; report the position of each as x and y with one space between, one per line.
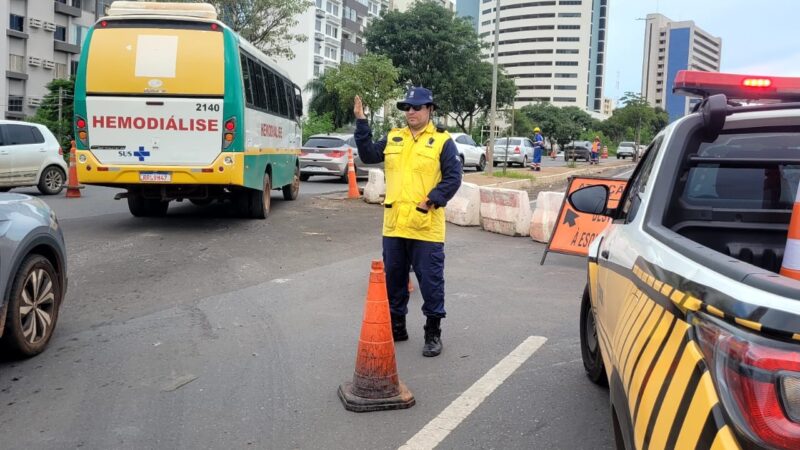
248 90
272 91
260 95
282 96
288 98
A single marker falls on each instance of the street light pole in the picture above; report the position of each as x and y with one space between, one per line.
493 109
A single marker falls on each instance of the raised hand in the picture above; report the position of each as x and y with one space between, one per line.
358 108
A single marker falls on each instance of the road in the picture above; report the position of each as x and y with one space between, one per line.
201 331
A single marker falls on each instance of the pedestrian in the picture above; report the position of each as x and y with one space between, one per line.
595 150
423 172
538 147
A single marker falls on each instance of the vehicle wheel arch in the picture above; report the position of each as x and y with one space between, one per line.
621 412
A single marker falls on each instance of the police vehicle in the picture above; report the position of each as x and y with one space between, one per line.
685 315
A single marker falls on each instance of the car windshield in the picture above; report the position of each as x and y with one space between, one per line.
324 142
626 144
771 187
503 142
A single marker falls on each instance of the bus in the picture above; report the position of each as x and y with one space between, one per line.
171 104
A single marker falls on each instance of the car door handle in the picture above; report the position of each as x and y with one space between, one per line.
604 254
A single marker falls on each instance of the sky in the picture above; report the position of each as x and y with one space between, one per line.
759 37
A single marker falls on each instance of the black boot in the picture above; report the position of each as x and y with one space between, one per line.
433 337
399 332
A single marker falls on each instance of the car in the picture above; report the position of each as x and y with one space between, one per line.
33 274
471 154
30 156
627 150
513 150
326 154
575 152
685 315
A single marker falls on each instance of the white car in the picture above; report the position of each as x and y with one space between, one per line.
626 150
471 154
30 156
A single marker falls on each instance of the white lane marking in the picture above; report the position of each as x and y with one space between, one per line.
281 280
437 429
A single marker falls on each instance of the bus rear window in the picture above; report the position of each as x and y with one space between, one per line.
747 186
156 60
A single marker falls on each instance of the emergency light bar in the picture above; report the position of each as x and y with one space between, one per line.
737 87
128 8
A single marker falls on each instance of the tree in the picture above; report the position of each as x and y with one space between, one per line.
267 24
373 77
325 101
636 120
427 44
468 93
48 112
317 124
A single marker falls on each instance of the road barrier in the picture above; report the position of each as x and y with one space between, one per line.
464 208
376 385
375 190
545 214
505 211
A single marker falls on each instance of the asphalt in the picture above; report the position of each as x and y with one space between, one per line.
198 330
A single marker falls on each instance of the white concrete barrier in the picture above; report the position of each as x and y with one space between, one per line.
505 211
465 207
545 215
375 190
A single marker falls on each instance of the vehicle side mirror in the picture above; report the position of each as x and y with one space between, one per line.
590 200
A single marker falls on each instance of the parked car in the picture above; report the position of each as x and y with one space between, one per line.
576 152
30 156
514 150
471 154
326 154
687 314
33 273
626 150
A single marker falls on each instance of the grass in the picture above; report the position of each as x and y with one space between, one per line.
513 174
572 164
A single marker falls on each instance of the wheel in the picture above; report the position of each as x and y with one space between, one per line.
201 201
495 163
617 156
259 200
146 207
524 161
461 158
36 295
5 189
52 180
344 177
291 191
590 345
481 164
304 177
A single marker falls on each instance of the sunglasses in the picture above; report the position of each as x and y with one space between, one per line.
406 107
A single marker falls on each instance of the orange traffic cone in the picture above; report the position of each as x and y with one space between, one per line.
351 176
73 186
605 152
791 257
376 386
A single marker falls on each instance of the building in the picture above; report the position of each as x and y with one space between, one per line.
43 42
668 48
608 107
554 50
404 5
335 29
470 9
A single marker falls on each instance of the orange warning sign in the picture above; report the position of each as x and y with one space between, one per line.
574 231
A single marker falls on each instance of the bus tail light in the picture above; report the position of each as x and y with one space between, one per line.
758 380
81 133
230 133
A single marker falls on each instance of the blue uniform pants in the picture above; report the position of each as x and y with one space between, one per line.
427 258
537 155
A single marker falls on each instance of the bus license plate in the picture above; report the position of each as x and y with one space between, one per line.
155 177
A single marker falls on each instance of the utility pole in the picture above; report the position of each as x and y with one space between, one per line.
493 110
60 103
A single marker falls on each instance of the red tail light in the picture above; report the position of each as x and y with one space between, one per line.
758 380
230 125
337 153
82 135
80 123
230 133
303 153
516 150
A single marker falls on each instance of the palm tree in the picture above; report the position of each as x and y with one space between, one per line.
323 101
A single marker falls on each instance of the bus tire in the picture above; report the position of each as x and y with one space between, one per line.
292 191
259 203
145 207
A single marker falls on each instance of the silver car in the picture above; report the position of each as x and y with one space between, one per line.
326 154
33 274
514 150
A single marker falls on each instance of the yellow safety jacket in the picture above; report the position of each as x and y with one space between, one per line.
412 171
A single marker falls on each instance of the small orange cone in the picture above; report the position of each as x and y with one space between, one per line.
791 257
351 176
73 186
376 385
605 152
